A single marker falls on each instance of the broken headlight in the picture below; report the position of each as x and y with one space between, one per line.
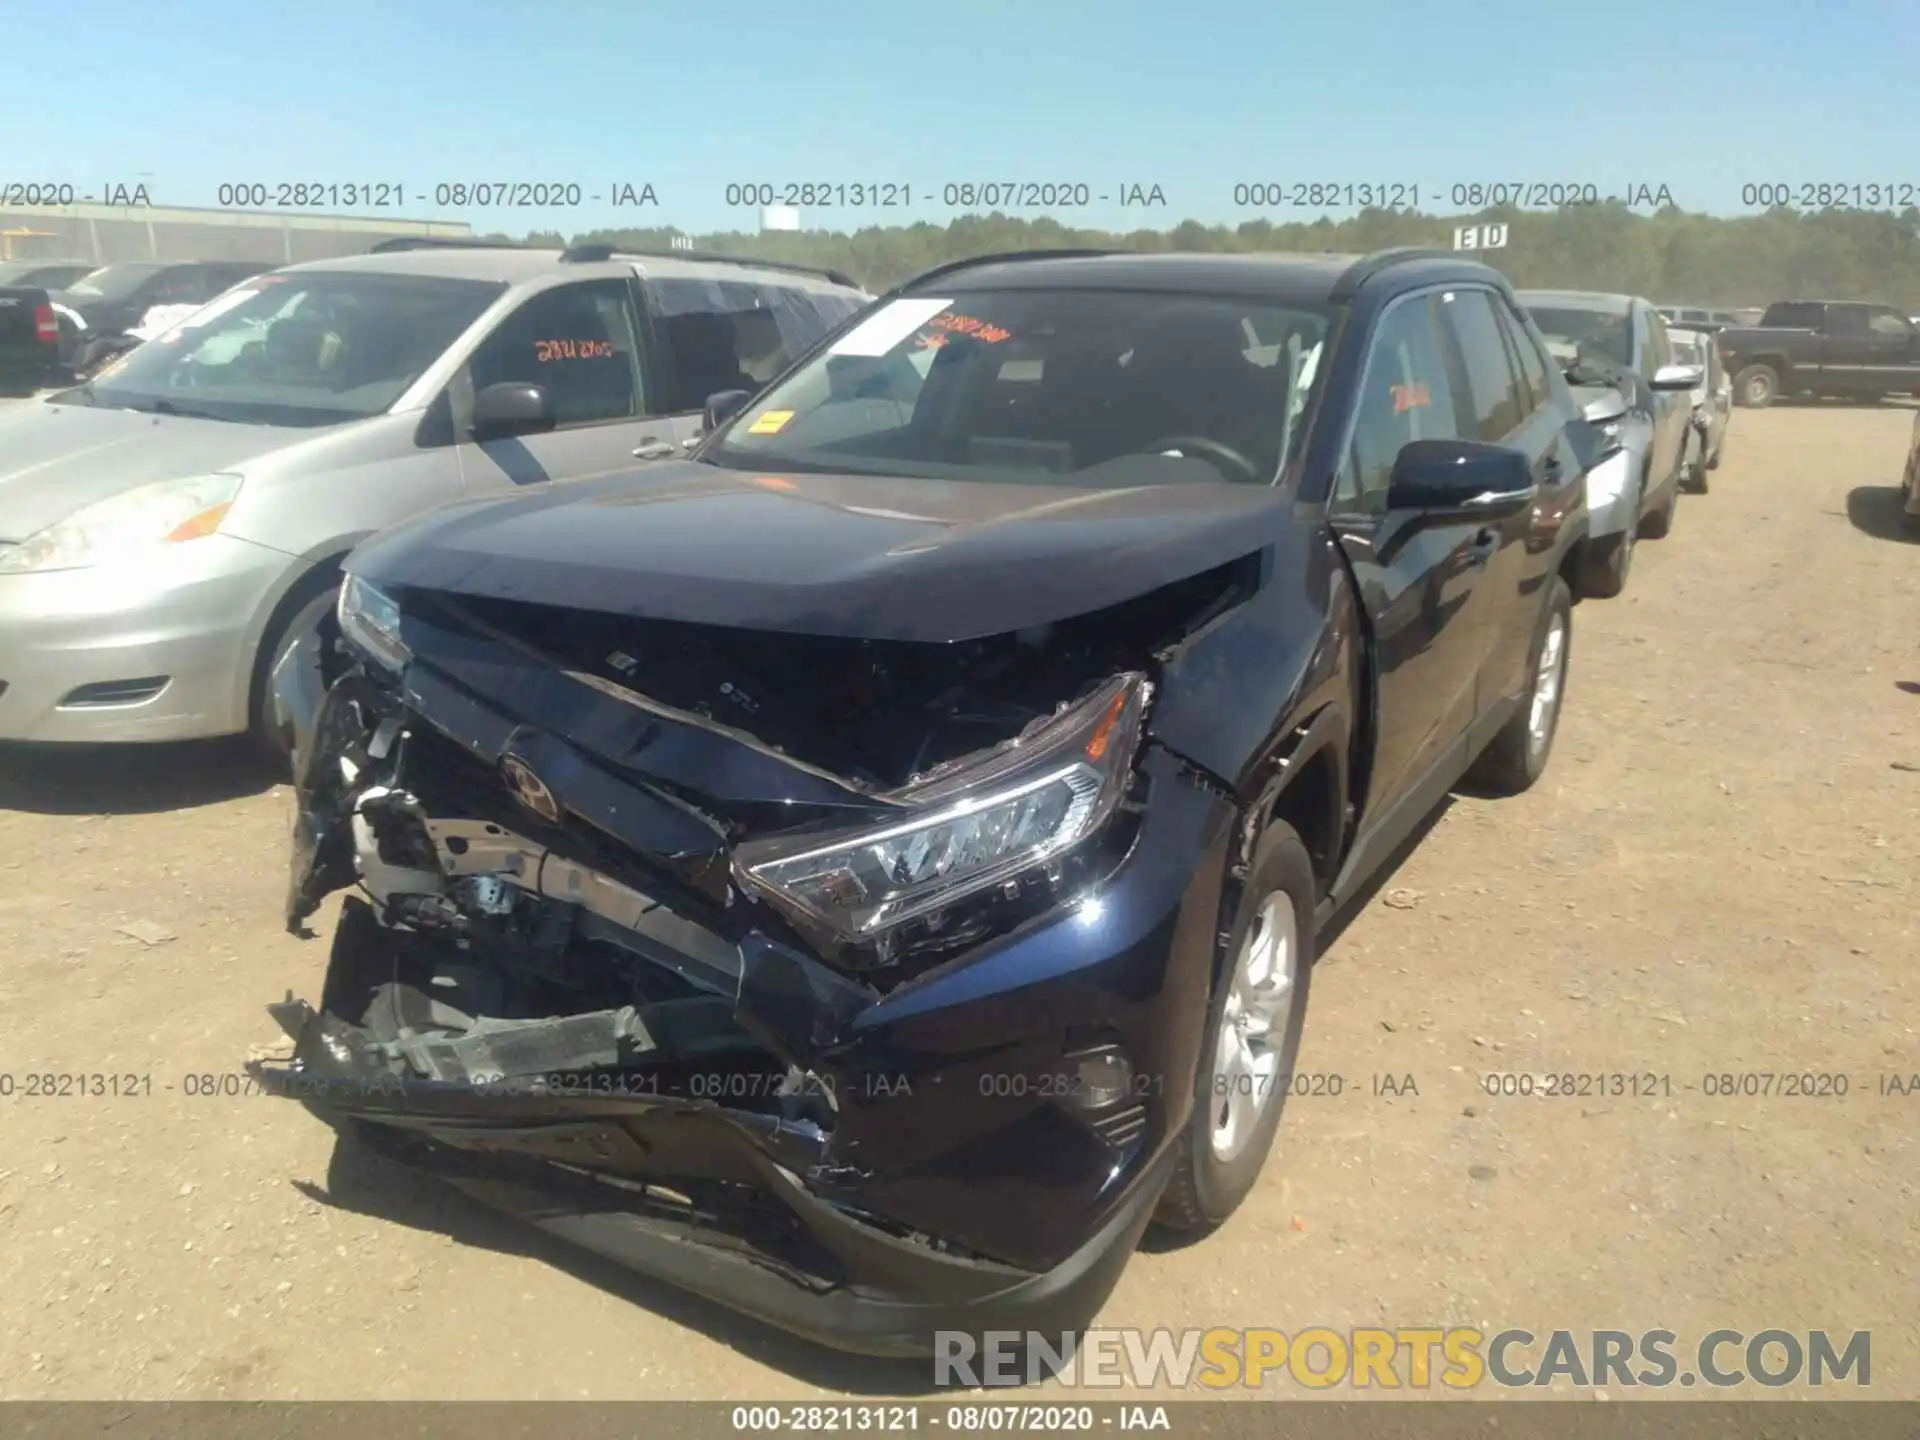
978 824
370 619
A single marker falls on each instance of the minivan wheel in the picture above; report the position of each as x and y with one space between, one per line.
1518 753
298 633
1756 386
1252 1038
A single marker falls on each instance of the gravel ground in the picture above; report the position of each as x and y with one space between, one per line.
1717 876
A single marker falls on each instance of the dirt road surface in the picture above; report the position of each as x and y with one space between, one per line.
1717 876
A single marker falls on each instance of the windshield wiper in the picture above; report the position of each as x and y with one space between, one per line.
167 407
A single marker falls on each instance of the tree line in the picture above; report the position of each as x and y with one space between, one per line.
1670 256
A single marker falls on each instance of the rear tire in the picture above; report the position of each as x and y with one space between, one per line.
1518 754
1238 1101
1756 387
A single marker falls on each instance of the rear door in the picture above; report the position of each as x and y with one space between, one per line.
582 342
1417 578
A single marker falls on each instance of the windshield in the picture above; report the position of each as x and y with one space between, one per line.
1086 388
295 349
1589 334
113 282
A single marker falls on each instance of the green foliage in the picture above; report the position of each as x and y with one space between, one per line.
1671 257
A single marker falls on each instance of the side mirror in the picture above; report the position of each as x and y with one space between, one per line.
511 408
723 405
1606 407
1460 478
1678 377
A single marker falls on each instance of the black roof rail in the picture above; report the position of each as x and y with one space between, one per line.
440 242
714 257
951 266
1368 266
586 254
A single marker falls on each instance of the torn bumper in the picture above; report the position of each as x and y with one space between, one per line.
962 1177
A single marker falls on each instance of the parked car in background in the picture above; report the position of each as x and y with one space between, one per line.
1619 342
1712 402
1699 318
175 525
1823 349
29 340
1007 729
44 274
107 302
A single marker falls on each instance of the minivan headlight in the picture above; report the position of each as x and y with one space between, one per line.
974 826
370 619
166 512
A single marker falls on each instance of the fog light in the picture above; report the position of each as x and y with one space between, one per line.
1101 1079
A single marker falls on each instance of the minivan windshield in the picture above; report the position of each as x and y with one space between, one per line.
114 282
1089 388
294 349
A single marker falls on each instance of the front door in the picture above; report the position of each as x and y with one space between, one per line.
1417 578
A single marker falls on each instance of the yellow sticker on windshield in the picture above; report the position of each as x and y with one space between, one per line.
771 422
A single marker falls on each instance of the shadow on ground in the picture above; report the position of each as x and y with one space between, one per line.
1876 510
130 779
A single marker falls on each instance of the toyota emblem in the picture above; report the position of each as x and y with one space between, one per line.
529 789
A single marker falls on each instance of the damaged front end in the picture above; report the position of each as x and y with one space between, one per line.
855 984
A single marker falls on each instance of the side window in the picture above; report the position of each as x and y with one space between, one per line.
578 341
1533 364
1888 323
1493 403
1848 320
1659 350
720 335
1405 395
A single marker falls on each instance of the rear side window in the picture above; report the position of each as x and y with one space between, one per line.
1406 394
730 334
1794 315
577 342
1494 408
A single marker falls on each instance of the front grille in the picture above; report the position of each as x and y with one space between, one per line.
1123 1126
114 692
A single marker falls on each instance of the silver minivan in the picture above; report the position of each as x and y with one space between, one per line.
172 528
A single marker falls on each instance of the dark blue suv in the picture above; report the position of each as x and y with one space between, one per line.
868 870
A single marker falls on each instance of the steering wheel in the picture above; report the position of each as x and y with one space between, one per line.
1222 455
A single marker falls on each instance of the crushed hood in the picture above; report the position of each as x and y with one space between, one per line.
858 557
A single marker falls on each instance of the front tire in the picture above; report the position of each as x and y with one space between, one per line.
1605 564
299 630
1658 524
1251 1041
1518 754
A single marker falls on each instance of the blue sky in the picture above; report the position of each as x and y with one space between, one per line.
1195 97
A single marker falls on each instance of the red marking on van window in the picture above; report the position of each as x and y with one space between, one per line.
1410 397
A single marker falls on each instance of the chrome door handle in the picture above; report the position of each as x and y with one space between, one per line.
652 448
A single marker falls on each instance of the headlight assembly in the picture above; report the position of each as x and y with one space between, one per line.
167 512
370 620
974 826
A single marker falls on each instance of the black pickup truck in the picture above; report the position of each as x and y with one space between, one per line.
29 339
1822 348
